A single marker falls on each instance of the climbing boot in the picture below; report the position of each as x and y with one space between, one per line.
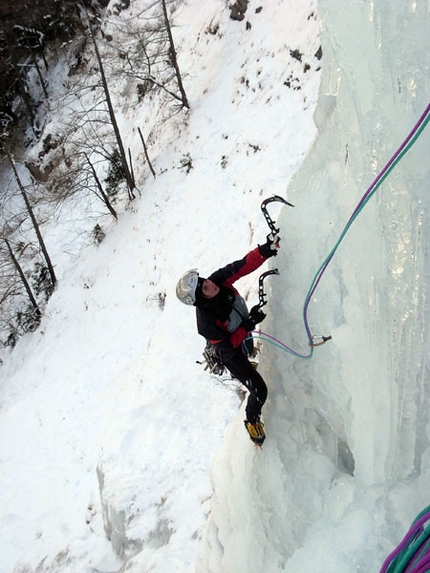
256 432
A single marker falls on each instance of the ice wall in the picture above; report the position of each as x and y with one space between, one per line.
371 383
369 387
348 429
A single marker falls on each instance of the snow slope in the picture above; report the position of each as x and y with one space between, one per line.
109 429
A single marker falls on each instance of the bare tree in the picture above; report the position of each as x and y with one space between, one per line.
20 310
34 223
22 277
127 172
144 50
145 149
19 79
173 56
99 191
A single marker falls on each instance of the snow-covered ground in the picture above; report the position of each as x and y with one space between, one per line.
118 452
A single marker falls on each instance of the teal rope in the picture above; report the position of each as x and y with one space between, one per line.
275 342
400 153
412 555
395 159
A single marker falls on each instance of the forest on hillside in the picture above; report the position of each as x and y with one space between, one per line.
61 62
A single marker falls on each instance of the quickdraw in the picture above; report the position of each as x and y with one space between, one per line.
324 339
211 361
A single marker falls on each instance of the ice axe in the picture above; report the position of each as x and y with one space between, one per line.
273 229
261 293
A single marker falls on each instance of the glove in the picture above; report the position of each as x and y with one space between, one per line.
269 249
255 317
249 324
256 314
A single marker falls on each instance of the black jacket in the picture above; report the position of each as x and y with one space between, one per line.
219 318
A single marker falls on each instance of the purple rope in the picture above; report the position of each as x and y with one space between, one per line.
359 206
423 566
413 532
259 334
393 158
411 567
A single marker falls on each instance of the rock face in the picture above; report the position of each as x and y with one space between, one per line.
116 521
238 9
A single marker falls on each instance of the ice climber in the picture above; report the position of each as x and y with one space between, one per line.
224 321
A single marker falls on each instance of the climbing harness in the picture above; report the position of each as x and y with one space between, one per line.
412 555
211 360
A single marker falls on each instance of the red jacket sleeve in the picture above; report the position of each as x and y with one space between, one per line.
238 269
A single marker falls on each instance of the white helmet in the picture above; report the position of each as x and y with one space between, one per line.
186 287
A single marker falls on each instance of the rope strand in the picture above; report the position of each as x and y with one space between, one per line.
398 155
412 554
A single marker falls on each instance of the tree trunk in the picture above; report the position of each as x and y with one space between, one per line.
22 87
146 153
39 75
174 58
35 223
33 57
23 279
129 177
103 195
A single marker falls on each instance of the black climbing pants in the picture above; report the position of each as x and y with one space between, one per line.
240 367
